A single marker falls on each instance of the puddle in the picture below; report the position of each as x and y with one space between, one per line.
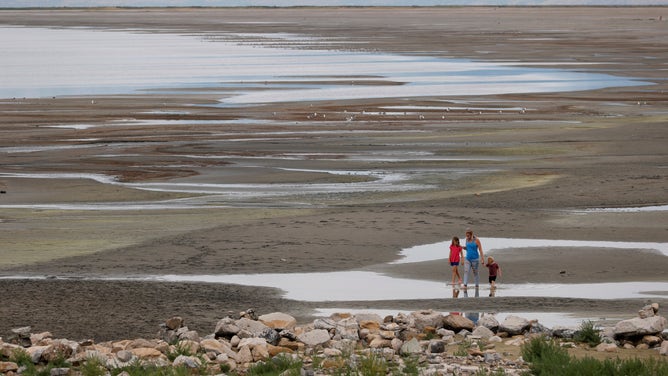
345 286
379 181
653 208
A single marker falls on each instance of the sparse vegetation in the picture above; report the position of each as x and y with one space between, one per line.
463 348
279 365
588 334
548 358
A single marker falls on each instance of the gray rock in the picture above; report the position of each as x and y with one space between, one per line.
464 333
639 327
646 311
314 337
226 327
514 325
187 361
427 318
664 348
538 328
360 317
491 357
326 324
22 331
489 321
483 332
411 347
348 329
59 371
457 323
563 332
436 347
258 329
445 333
124 356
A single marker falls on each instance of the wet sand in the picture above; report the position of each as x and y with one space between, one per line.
575 150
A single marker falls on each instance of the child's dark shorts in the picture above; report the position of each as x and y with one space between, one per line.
454 263
492 278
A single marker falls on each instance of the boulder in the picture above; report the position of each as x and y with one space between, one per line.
664 348
314 337
226 327
489 321
55 351
260 352
174 323
483 332
275 350
563 332
495 339
278 321
380 342
646 311
146 352
436 347
186 334
396 344
411 347
651 341
257 329
41 339
252 342
244 355
187 361
639 327
655 307
457 323
514 325
62 371
140 342
347 329
36 352
124 356
23 331
427 318
326 324
361 317
8 367
212 345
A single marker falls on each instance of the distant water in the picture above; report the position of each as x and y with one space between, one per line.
288 3
40 62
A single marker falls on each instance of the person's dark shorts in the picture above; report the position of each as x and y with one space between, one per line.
454 263
492 279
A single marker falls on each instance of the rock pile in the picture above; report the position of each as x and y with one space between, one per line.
441 344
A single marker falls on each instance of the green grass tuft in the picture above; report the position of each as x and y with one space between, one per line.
547 358
588 334
279 365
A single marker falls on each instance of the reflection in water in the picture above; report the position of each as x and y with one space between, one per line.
473 316
466 292
134 61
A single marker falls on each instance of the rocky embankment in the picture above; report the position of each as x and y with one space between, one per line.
436 344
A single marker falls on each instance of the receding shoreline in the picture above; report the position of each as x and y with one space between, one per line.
607 150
